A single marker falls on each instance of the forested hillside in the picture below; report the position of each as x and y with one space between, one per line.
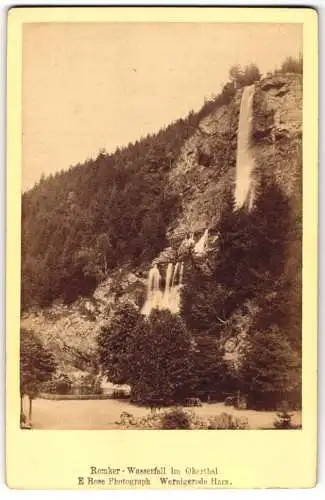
115 209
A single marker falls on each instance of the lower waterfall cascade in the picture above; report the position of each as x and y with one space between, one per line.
170 297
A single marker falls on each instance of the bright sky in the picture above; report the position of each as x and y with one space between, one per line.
93 86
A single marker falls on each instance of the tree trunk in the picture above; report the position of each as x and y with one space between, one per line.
21 409
30 410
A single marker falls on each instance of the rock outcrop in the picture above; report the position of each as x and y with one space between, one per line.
206 166
70 331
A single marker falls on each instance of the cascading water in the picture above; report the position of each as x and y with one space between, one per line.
170 298
175 274
245 160
200 246
154 294
168 285
181 273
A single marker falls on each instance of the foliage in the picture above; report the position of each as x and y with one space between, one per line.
153 356
37 364
292 65
284 418
114 342
175 419
253 291
270 369
160 360
244 76
87 383
59 384
178 418
227 421
210 371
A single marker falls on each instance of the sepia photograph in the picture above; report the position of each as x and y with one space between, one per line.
161 226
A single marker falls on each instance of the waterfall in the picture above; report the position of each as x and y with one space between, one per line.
181 273
168 287
154 295
200 246
170 299
245 161
175 274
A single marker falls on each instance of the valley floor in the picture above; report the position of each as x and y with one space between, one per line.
103 414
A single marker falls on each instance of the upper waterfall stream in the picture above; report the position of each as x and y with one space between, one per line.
245 160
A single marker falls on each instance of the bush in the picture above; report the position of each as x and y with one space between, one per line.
229 401
283 420
87 384
59 385
228 421
176 419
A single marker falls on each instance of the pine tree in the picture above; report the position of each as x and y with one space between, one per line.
161 360
37 365
271 370
114 342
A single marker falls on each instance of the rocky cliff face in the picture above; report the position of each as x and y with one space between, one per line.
204 170
206 166
277 130
201 176
70 331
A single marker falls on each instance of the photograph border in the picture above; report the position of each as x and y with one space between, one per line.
259 471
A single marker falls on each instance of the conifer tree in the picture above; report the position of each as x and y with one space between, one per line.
37 365
114 341
161 360
271 370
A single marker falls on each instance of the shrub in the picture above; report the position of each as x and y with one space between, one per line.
176 419
87 383
229 401
228 421
59 385
63 385
283 420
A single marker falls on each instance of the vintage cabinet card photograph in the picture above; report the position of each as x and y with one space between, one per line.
161 248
